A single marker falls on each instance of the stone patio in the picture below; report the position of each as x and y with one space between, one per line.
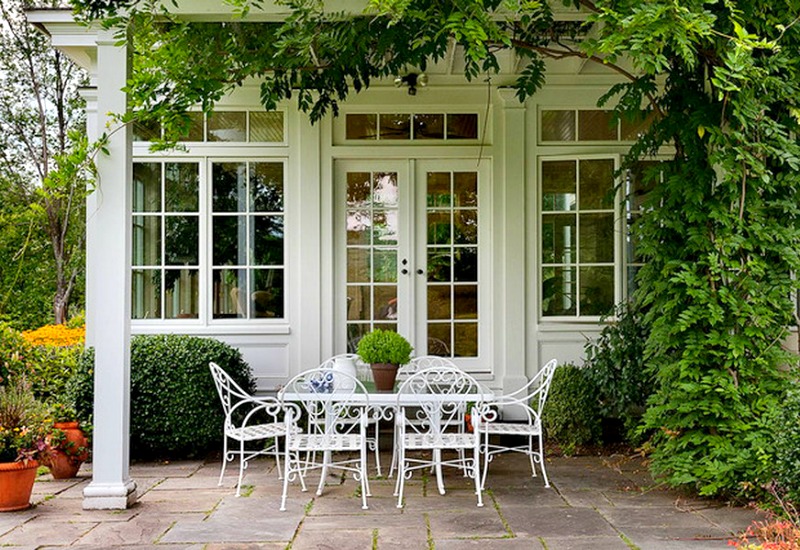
594 503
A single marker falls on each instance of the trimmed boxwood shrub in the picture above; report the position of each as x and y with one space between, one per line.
571 415
787 445
175 409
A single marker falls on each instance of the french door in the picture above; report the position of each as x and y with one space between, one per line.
412 254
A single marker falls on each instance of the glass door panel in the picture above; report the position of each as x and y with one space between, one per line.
451 252
372 228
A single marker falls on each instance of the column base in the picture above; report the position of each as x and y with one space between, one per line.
109 496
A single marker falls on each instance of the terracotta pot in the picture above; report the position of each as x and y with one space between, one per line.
62 466
384 375
16 484
75 439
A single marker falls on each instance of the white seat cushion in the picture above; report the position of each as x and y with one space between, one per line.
438 441
327 442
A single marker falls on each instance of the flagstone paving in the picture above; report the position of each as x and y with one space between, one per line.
594 503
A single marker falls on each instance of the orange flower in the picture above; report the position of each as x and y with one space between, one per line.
55 335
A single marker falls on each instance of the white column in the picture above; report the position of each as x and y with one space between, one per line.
108 273
514 334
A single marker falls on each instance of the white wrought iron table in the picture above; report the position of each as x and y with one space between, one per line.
383 406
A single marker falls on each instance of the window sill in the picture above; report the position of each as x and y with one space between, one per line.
183 327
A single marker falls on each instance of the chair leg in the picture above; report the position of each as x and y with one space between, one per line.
477 473
401 476
486 456
531 454
224 459
378 447
241 467
287 461
541 462
364 483
277 450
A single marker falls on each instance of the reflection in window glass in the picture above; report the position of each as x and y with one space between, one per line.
371 218
146 130
462 126
395 126
361 126
194 129
596 125
428 126
247 232
452 263
577 237
558 125
227 126
266 126
162 238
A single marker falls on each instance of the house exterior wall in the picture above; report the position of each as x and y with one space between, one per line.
520 338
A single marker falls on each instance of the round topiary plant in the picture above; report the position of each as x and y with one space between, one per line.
175 409
384 346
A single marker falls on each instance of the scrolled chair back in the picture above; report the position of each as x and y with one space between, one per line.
440 395
332 401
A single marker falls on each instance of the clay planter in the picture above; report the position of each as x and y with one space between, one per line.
65 461
16 484
62 466
384 375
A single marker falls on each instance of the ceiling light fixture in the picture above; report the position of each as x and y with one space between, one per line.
412 80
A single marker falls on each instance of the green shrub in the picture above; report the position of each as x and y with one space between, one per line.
14 352
615 363
571 416
787 445
175 409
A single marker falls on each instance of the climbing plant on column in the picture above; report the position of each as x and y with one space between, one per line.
720 235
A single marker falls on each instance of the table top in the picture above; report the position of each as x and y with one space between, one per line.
387 399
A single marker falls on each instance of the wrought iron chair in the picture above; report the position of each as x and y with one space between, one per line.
415 365
530 399
244 415
438 395
336 407
372 442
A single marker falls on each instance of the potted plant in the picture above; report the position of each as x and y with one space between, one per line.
385 351
23 430
67 446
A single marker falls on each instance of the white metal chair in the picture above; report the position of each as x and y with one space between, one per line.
244 416
415 365
336 407
530 399
438 395
372 442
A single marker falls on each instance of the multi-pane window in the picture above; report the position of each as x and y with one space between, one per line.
407 126
565 125
223 126
247 232
452 260
639 181
577 237
166 221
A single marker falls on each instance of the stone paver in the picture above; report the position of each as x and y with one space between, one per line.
593 503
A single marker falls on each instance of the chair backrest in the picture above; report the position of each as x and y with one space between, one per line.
332 402
421 363
239 406
441 394
533 395
229 391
